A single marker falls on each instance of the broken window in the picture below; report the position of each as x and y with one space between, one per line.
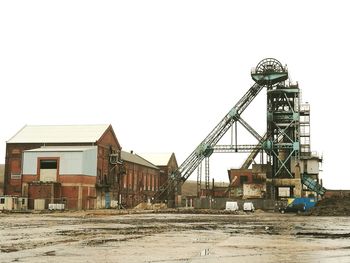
243 179
48 170
48 164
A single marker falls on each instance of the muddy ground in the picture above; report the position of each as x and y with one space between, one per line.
172 237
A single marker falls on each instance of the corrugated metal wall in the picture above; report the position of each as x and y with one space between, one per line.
70 162
90 162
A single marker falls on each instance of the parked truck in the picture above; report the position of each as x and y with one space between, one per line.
297 205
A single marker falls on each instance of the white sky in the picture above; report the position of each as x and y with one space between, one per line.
164 73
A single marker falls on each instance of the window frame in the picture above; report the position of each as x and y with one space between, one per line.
48 158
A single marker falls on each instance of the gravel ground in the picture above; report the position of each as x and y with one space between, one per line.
105 236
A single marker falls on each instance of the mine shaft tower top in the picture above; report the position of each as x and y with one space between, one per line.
269 71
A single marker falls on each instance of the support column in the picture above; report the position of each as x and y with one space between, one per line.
80 197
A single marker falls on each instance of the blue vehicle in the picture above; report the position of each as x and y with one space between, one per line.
297 205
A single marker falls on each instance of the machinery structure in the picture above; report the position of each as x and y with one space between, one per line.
289 167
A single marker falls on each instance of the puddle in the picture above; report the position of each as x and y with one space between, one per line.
50 253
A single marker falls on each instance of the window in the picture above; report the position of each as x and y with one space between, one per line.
48 164
48 169
284 191
243 179
2 200
105 181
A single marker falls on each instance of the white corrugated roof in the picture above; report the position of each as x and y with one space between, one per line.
62 149
59 134
159 159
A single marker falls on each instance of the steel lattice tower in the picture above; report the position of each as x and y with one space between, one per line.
282 143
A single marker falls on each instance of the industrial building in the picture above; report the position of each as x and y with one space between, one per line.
144 175
77 165
167 164
80 166
140 181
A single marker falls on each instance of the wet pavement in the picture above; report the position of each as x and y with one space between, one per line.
172 237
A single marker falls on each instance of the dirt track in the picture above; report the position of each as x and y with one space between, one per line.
163 237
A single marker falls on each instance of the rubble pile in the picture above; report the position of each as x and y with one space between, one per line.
333 206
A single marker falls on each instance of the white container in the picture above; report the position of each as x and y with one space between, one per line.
248 207
60 206
231 206
52 206
39 204
114 204
8 203
22 203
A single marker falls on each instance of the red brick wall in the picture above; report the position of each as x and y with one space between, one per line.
138 183
77 179
51 192
57 193
85 198
91 197
109 139
107 173
70 196
239 173
14 153
168 169
68 190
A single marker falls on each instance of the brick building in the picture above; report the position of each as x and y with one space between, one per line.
240 176
140 180
78 165
248 183
167 164
2 171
